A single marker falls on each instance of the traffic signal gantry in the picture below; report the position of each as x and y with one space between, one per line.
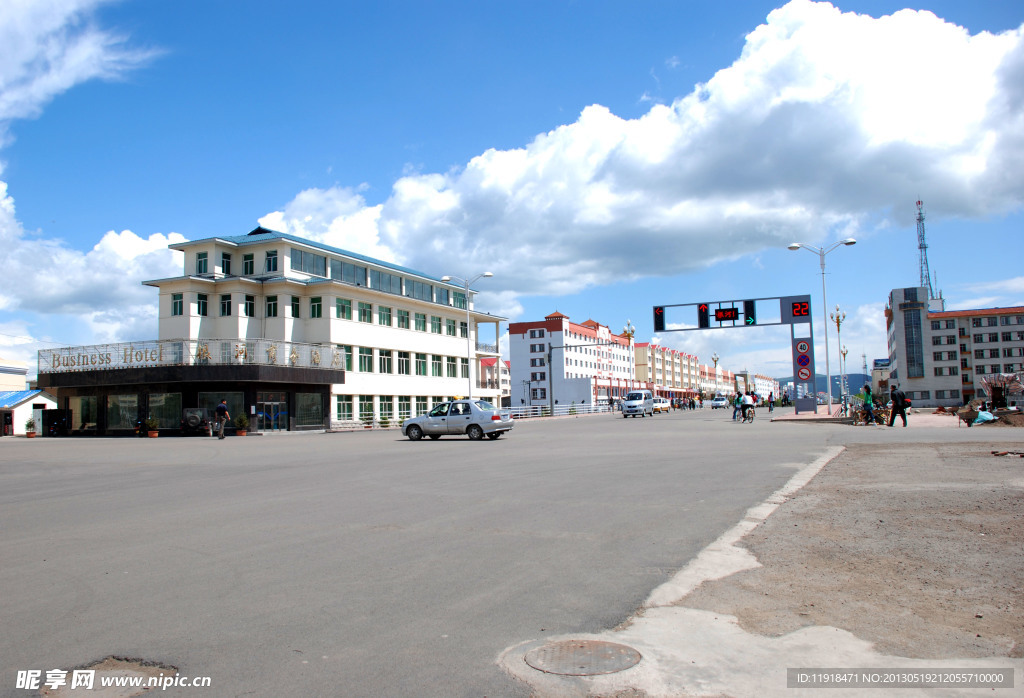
793 311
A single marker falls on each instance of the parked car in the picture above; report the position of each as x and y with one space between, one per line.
720 401
638 402
474 418
661 404
197 420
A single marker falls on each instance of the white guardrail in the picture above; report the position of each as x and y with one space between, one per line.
521 412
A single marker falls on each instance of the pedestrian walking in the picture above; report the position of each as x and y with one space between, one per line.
899 405
222 417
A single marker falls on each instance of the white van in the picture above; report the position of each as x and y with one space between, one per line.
638 402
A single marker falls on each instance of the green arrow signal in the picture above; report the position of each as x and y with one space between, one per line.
750 320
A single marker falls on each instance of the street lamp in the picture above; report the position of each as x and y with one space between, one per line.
842 381
838 317
821 252
714 357
469 334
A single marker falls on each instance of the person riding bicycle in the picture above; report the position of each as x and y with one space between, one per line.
747 404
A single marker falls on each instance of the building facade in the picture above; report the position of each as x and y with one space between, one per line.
940 357
668 372
589 363
292 332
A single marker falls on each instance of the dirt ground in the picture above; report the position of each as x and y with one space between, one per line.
917 548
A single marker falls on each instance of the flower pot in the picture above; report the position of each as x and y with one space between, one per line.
241 432
154 434
30 435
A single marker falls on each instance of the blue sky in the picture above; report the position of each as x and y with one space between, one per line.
599 158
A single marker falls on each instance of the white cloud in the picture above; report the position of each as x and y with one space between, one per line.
826 120
48 47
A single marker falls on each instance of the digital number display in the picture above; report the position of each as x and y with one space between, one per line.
801 309
725 314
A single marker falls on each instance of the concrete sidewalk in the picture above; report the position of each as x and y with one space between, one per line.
877 556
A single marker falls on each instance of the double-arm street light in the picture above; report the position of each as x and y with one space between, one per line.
839 317
466 283
821 252
714 357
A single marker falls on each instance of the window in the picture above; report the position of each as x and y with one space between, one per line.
225 304
343 309
348 273
537 362
450 327
250 306
383 316
225 264
994 337
344 413
388 283
384 360
1006 337
177 304
365 312
936 340
459 300
464 368
435 324
963 363
993 353
976 322
201 263
309 262
536 334
441 296
316 307
271 262
421 405
346 353
936 325
452 367
386 404
404 407
295 306
979 338
463 330
248 264
366 408
271 306
404 367
536 348
435 366
201 301
421 322
937 356
539 394
421 364
403 319
540 376
992 322
419 290
365 360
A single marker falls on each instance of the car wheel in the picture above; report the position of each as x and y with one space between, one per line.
624 416
414 433
494 435
474 432
435 437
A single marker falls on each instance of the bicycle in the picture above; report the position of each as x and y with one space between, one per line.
749 416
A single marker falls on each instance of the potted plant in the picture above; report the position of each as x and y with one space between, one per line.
241 425
152 427
30 428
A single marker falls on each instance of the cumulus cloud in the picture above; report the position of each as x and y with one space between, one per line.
826 121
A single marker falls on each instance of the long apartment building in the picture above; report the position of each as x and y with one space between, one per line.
293 332
672 373
941 357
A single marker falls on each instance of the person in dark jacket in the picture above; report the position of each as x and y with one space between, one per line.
899 405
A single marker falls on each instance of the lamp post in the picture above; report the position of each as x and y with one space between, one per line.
821 252
714 358
842 381
628 331
838 317
469 334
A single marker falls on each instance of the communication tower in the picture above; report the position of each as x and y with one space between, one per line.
922 245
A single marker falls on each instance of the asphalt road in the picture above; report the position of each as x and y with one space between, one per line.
363 564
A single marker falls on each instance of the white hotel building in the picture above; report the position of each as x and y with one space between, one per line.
287 309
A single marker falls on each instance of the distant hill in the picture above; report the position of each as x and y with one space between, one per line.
855 381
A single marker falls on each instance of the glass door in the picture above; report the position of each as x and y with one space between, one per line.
272 411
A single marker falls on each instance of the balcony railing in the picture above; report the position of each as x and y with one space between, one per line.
190 352
487 348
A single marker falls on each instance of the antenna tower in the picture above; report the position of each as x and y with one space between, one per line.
922 245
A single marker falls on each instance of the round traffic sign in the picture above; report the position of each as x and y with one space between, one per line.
802 347
803 360
804 374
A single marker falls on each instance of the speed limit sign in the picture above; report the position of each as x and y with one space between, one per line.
802 347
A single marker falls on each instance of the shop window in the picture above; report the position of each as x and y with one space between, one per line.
309 410
166 409
122 411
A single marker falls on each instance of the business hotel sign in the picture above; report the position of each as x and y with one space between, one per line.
194 352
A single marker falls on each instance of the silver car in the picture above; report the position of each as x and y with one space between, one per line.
474 418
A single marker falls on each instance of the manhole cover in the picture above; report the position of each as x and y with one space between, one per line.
582 657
